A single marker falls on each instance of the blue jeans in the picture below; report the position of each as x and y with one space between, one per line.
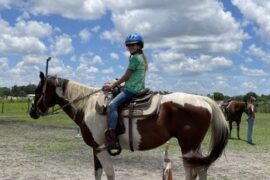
250 121
112 109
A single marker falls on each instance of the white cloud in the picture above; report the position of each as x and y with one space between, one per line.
176 63
221 78
21 45
85 69
108 70
252 72
23 38
5 4
84 35
33 28
205 27
259 53
249 85
97 60
25 16
112 36
114 56
3 65
121 67
80 9
62 45
90 58
96 29
256 11
32 60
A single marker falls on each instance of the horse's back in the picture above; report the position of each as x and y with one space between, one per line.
185 99
236 106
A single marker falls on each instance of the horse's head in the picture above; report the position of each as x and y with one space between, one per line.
45 96
246 110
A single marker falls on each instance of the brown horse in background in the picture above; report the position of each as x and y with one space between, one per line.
233 112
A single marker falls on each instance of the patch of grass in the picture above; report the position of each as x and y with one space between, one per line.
261 132
18 111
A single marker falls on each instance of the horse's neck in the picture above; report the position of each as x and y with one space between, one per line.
75 90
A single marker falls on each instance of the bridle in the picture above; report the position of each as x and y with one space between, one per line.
41 99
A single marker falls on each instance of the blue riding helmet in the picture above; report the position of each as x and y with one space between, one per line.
134 38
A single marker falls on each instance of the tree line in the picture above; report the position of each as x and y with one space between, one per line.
17 91
262 101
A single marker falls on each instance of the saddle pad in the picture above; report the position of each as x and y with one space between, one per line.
143 111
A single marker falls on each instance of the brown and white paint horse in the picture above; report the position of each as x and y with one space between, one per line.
183 116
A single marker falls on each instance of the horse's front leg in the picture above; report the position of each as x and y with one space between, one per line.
238 130
98 166
105 161
230 124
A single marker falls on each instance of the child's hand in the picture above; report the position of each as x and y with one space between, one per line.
107 86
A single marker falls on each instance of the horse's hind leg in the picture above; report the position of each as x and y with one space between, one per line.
98 167
230 124
190 173
107 164
202 173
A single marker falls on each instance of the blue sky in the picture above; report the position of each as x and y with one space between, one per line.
193 46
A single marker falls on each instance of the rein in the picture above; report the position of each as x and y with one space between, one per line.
58 110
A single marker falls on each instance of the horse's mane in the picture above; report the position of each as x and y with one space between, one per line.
75 90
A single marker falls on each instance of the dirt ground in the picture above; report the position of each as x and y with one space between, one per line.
23 156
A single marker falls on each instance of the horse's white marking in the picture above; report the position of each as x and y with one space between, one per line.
183 98
75 90
124 138
95 122
191 154
107 164
98 174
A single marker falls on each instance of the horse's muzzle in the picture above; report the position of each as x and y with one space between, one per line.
34 113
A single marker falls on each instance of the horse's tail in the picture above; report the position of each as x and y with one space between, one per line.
218 139
219 133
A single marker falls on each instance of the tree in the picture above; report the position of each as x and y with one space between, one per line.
218 96
248 95
4 91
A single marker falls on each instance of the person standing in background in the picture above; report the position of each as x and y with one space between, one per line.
251 118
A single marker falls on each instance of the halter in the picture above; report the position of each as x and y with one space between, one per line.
41 99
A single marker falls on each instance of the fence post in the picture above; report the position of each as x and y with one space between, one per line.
28 104
167 166
3 107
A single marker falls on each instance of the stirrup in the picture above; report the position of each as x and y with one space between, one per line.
115 149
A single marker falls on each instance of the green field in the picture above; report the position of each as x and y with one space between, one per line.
17 111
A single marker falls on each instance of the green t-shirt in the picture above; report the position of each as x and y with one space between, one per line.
136 82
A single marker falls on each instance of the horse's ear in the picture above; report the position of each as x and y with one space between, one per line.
42 76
